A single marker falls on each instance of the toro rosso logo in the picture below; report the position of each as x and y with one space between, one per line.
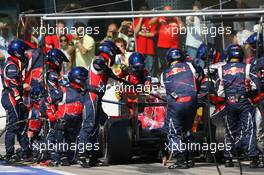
175 71
233 71
37 74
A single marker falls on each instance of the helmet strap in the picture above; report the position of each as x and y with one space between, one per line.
76 86
54 67
106 57
14 58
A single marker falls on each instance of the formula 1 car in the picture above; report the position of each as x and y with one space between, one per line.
134 129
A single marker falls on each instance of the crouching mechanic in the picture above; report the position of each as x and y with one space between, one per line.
180 84
53 77
69 116
234 84
97 79
138 73
37 115
12 99
135 74
55 58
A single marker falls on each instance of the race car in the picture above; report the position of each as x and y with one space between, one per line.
133 129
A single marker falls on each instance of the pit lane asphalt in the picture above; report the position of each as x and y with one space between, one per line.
136 167
157 168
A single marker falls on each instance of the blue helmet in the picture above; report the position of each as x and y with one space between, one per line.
212 53
110 49
136 61
252 40
234 51
17 49
201 52
56 57
175 54
78 75
37 92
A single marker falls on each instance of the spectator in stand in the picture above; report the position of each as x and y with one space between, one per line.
84 46
122 58
145 33
194 38
112 32
29 34
9 31
61 27
168 30
3 44
68 49
48 44
61 30
125 32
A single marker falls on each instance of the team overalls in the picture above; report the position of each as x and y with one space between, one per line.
180 84
12 100
234 84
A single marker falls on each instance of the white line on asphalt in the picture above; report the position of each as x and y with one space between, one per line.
53 171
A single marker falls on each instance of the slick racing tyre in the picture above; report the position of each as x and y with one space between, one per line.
118 141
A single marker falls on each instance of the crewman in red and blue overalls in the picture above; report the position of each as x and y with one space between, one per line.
137 75
97 79
257 60
36 116
55 58
34 73
12 100
234 84
69 114
180 84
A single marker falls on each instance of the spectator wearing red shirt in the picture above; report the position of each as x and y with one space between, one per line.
144 39
168 30
61 29
49 44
